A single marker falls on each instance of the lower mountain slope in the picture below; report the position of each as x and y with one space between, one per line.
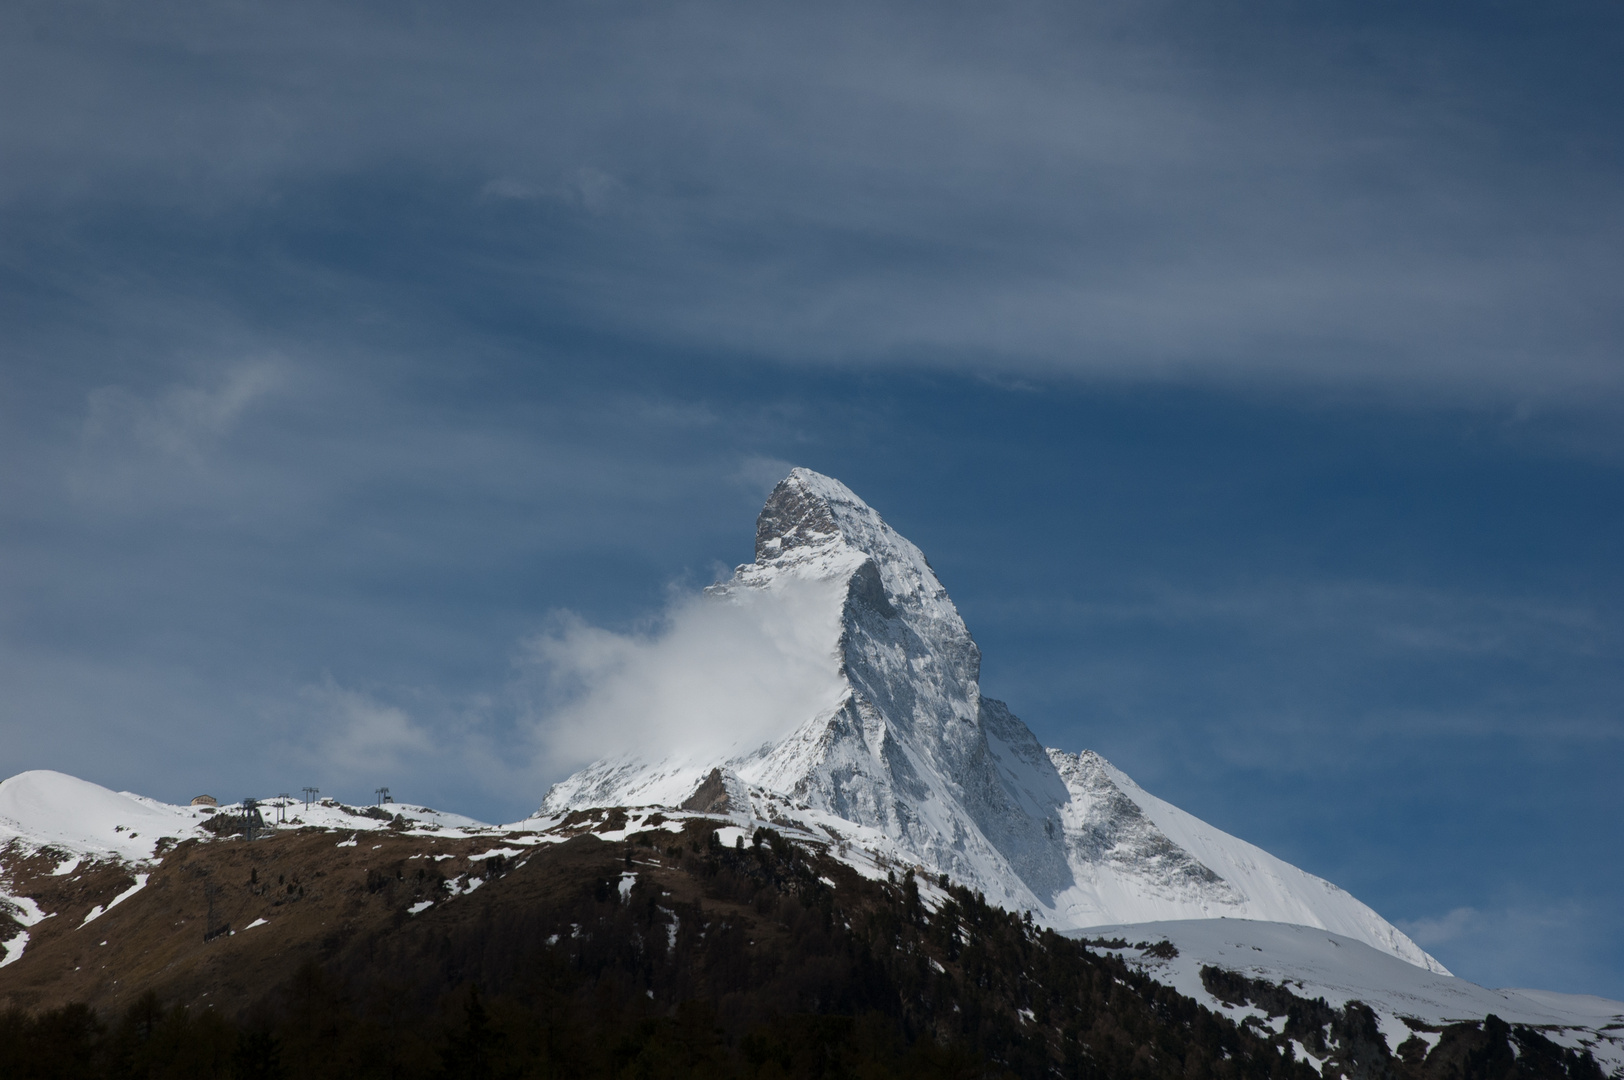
620 945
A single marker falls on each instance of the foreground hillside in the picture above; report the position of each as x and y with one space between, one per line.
634 947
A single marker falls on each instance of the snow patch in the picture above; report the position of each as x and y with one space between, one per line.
671 928
24 910
98 911
13 948
1302 1054
731 835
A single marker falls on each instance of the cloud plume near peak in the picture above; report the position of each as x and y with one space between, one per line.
720 673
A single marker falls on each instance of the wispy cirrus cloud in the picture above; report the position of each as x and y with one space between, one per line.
1553 944
1106 193
183 421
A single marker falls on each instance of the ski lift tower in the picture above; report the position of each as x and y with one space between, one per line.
383 796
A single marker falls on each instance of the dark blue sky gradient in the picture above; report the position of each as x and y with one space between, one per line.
1250 375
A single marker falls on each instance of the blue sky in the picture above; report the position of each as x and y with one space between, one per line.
1251 376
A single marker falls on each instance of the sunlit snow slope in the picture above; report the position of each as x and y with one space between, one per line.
908 762
51 809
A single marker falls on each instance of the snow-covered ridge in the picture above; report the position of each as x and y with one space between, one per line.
1339 968
46 811
913 765
59 826
41 809
53 825
1201 871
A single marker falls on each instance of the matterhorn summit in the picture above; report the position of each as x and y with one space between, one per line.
900 761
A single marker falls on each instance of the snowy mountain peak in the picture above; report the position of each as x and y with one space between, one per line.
813 525
810 510
800 513
900 758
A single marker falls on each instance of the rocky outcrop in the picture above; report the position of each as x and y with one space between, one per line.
710 797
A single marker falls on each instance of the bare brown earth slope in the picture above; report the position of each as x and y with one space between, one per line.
279 900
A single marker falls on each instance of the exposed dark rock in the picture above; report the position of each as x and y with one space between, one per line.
792 518
710 797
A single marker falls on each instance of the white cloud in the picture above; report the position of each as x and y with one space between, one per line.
360 733
1081 190
720 673
511 187
1444 928
1545 942
182 421
762 472
179 444
585 188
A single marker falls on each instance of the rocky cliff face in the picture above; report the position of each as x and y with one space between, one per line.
912 765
